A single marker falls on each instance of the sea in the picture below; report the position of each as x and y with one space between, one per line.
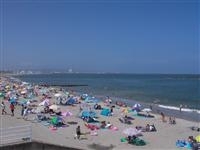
166 90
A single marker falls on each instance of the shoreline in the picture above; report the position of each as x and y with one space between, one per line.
192 115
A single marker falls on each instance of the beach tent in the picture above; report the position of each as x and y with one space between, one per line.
105 112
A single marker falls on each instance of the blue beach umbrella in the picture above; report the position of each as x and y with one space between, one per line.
1 94
12 100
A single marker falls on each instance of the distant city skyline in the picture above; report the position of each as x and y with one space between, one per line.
100 36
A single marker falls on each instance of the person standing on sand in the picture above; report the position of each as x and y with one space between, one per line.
25 113
162 116
22 110
12 108
78 132
180 108
3 106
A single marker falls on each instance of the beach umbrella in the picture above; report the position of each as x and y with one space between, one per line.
39 109
24 92
12 101
57 95
131 131
66 114
25 83
125 110
136 107
44 103
7 87
147 110
1 95
197 138
54 107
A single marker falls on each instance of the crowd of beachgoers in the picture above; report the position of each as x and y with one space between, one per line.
56 109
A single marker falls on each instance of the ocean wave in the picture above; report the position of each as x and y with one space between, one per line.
177 108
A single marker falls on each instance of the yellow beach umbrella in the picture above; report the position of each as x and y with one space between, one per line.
198 138
125 110
7 87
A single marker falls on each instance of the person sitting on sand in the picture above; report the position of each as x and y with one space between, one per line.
193 143
152 128
46 109
103 124
108 125
147 127
172 120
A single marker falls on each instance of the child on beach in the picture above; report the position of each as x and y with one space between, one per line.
3 106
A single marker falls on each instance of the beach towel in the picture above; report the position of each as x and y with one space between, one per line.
113 128
123 140
105 112
94 133
52 128
91 126
138 142
183 143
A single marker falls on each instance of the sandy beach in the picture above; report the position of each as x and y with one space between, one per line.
164 138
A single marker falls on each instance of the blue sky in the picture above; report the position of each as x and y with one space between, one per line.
99 36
